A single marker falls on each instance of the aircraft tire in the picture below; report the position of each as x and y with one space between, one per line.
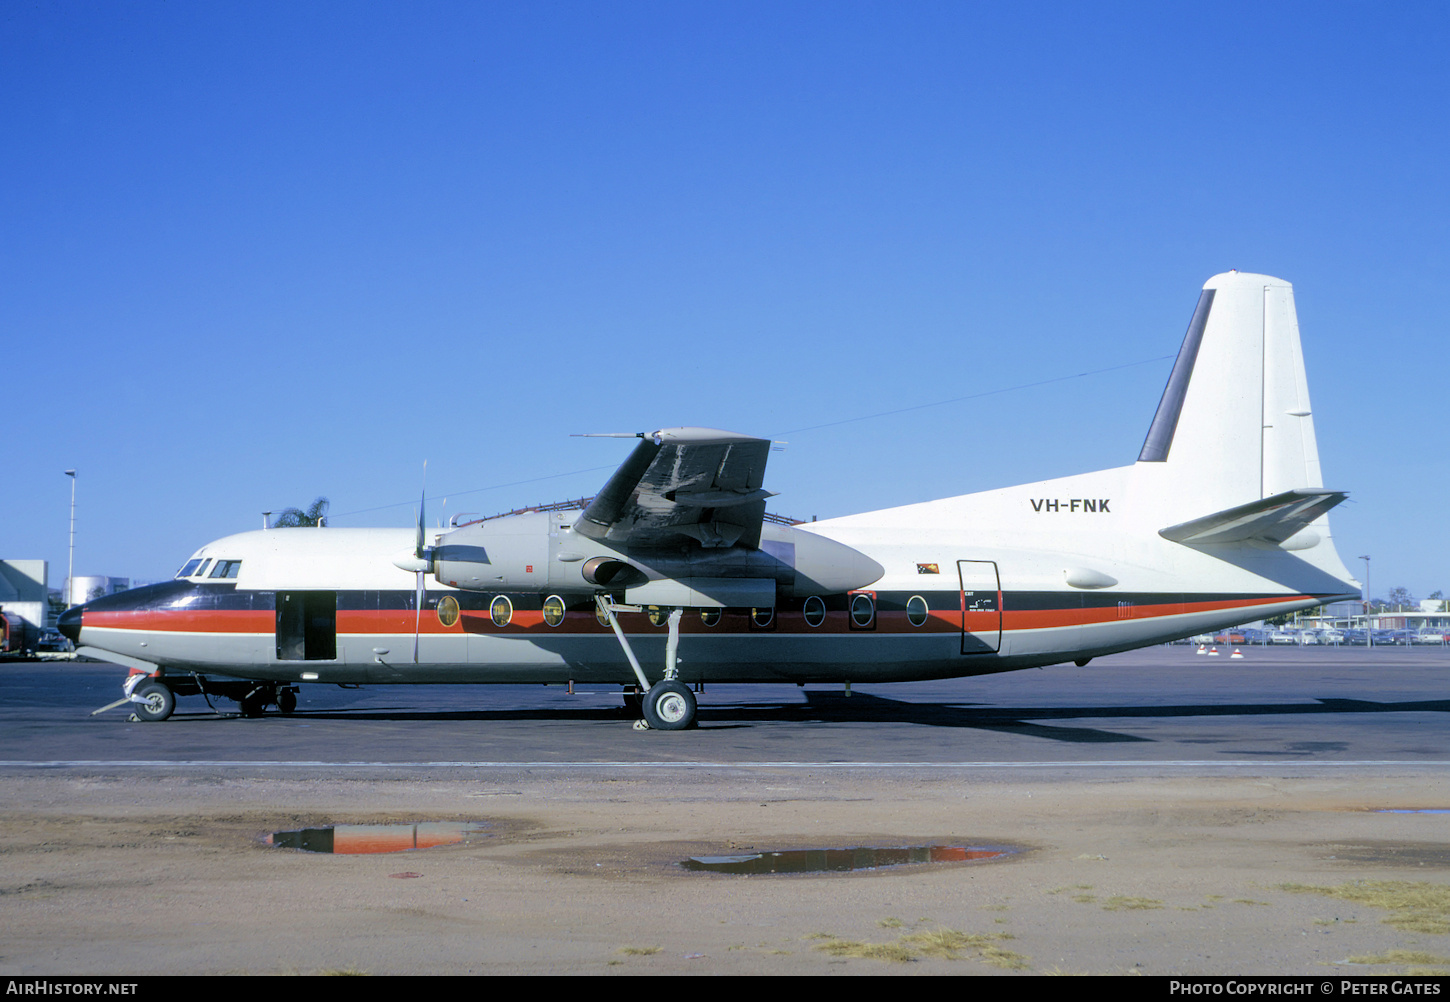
286 701
669 706
158 701
253 704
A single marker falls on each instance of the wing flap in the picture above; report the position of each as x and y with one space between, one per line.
683 484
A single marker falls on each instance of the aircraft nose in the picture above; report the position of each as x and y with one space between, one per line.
70 624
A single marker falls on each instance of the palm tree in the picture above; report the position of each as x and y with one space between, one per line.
293 517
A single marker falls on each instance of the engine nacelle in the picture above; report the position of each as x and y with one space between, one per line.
539 551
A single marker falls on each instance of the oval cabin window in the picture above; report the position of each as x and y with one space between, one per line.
863 612
815 611
916 611
502 611
447 610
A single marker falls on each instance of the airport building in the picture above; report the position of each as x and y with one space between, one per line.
89 587
23 591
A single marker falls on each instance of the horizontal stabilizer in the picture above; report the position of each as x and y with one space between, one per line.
1272 519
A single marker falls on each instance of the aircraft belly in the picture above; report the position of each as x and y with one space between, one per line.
188 651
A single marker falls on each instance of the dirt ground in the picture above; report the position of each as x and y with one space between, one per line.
579 874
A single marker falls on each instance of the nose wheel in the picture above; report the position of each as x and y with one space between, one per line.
153 701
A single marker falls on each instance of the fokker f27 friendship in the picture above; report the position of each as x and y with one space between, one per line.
674 574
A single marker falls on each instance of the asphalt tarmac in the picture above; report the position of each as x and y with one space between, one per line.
1167 812
1164 705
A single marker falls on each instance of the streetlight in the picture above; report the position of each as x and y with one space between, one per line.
1368 633
70 576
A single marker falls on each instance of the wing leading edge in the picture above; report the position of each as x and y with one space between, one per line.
683 484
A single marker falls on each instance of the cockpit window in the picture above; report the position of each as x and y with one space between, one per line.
226 569
202 569
190 568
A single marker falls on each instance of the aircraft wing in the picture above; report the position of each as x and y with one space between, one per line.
1272 519
681 484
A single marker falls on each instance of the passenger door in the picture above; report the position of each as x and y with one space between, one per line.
981 606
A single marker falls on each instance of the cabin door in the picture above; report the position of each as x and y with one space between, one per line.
981 606
307 626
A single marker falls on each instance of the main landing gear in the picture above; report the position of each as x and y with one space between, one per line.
668 705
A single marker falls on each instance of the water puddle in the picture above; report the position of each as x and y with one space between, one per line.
836 860
355 839
1411 810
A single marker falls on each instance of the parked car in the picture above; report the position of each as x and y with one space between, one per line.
52 640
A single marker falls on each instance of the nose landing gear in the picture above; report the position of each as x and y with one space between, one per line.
152 698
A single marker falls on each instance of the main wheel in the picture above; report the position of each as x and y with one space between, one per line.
669 706
153 701
286 701
254 704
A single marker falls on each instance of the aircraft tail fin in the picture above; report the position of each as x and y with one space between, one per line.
1234 424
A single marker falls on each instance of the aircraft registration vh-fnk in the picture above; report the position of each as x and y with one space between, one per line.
674 575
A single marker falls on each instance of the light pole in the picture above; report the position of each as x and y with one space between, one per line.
70 575
1368 633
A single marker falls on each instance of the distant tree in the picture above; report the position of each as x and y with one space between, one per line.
290 518
1401 600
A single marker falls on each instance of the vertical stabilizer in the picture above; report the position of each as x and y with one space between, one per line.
1234 424
1291 457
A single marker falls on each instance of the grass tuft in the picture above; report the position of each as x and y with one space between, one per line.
1413 907
1401 957
944 944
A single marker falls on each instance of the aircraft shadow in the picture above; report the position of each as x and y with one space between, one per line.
833 708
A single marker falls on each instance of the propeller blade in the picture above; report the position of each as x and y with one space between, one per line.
418 552
417 616
422 514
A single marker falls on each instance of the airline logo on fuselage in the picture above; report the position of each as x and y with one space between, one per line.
1071 504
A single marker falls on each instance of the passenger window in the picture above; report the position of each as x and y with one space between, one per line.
815 611
916 611
863 612
501 611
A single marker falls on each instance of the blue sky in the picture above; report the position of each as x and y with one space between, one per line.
256 253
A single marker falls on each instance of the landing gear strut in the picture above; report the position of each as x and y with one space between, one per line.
668 705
